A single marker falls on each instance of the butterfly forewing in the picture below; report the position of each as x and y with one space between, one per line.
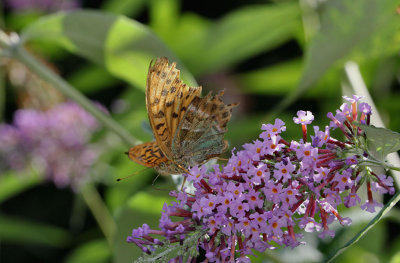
147 154
167 100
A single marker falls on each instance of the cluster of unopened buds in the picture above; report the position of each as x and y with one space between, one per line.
269 189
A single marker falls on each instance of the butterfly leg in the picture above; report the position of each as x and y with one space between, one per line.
183 184
156 188
184 178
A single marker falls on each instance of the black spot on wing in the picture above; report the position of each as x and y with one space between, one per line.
158 126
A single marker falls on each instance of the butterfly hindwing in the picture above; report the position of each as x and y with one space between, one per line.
200 134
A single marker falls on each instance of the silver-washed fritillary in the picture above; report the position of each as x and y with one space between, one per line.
189 129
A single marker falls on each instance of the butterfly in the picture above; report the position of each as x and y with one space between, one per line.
188 129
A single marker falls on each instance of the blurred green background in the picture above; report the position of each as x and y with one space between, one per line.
274 57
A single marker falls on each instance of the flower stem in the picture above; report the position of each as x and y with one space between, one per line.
13 48
100 212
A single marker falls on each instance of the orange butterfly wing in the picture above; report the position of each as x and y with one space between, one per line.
147 154
167 99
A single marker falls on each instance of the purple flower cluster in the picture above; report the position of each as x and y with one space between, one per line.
42 5
55 142
269 189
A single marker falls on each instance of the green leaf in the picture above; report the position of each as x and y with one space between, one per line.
124 7
373 222
22 231
278 80
395 258
91 79
12 184
18 20
163 16
346 25
123 46
384 141
96 251
238 36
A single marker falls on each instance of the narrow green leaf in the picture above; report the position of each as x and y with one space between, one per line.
18 230
374 221
123 46
97 251
383 140
12 184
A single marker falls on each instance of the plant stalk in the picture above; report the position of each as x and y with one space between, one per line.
12 47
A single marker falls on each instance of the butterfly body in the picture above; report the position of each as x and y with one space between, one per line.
189 129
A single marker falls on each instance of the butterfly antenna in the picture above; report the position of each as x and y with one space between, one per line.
126 177
222 159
